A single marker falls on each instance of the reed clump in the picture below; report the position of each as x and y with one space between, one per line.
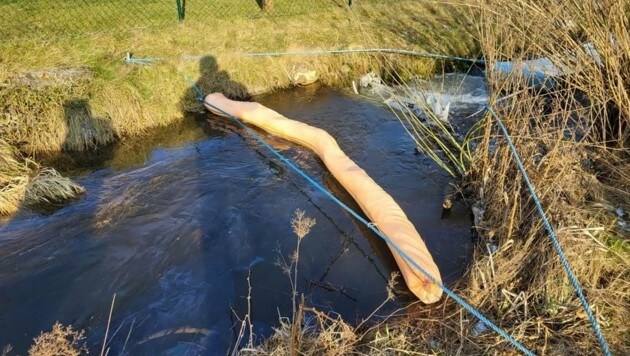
572 137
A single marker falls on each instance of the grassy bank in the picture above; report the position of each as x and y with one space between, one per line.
43 106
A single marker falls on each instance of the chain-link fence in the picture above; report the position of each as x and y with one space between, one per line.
19 18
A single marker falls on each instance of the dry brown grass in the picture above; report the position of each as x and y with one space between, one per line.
313 332
48 186
560 135
573 141
13 179
319 334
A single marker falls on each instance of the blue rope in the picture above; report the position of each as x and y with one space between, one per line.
130 59
552 235
367 50
369 224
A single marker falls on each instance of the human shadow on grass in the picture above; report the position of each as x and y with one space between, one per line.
211 79
265 5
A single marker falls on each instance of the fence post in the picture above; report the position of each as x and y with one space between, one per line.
181 9
349 2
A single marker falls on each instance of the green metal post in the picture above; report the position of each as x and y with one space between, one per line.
181 9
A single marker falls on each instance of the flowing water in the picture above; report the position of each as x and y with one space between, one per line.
171 225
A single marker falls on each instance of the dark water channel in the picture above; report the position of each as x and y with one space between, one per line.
170 225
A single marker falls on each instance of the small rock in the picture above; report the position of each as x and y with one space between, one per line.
370 79
620 213
478 211
303 76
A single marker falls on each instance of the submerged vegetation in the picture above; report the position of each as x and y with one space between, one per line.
572 137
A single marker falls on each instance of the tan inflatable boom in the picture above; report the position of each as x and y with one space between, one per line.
379 206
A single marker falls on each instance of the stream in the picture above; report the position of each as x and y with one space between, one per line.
172 224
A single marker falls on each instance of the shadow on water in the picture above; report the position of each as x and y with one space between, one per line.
173 223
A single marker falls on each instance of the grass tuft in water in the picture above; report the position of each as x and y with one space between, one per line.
25 183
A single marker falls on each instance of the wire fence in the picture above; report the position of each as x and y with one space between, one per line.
41 18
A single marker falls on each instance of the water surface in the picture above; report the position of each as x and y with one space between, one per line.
172 224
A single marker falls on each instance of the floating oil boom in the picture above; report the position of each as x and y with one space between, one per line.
379 206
